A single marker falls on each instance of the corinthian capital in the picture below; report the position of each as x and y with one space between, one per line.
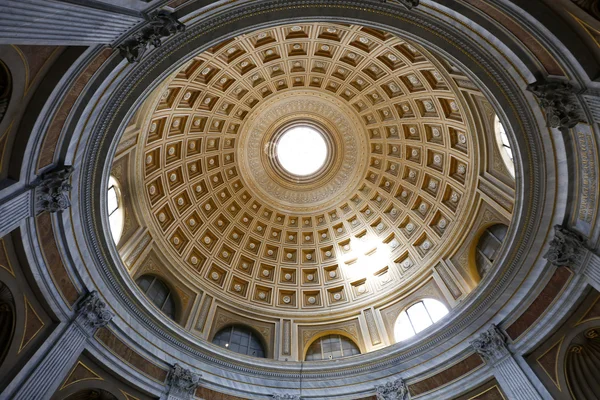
566 249
52 190
559 102
491 345
161 25
92 312
393 390
182 383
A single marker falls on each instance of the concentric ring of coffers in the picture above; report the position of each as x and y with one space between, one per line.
382 226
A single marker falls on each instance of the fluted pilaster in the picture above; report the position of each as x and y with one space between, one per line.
491 346
55 364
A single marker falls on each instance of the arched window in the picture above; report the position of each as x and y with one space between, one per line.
504 145
330 347
159 293
240 339
488 247
114 205
418 317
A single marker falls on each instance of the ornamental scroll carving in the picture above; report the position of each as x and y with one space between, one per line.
161 24
182 383
92 311
491 345
52 191
559 102
567 248
393 390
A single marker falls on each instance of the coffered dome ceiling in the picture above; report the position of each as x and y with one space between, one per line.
394 196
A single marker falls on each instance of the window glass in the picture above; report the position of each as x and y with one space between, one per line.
417 318
488 247
241 340
115 210
331 347
158 293
504 145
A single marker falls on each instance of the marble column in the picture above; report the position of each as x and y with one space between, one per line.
491 346
91 314
181 384
49 193
55 22
569 249
393 390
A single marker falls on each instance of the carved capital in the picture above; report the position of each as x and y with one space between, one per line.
182 383
410 4
162 24
92 312
285 397
567 249
393 390
559 102
491 345
52 190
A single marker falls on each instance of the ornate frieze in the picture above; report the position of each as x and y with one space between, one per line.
52 191
559 102
161 25
182 383
567 249
491 345
393 390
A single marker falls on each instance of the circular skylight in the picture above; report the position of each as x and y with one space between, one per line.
302 151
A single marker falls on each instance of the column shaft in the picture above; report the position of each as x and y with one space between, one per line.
15 210
49 22
513 380
54 365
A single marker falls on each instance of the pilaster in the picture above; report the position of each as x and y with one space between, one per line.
491 346
45 377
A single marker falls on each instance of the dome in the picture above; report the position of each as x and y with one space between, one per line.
298 199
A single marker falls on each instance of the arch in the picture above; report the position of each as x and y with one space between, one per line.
241 339
5 89
92 394
115 209
159 293
488 246
417 317
331 346
582 362
7 320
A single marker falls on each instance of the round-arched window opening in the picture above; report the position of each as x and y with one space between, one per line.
504 145
330 347
488 248
158 293
418 317
302 150
240 339
114 205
